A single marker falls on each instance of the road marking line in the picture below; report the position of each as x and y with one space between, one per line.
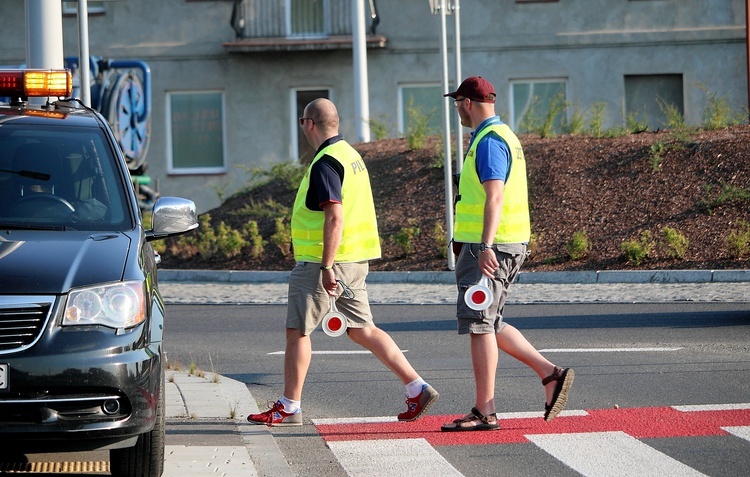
743 432
640 423
712 407
391 457
605 350
334 352
615 454
333 421
353 420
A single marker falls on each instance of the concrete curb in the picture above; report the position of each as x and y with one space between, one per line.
448 277
219 397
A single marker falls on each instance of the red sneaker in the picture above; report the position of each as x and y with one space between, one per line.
420 404
276 416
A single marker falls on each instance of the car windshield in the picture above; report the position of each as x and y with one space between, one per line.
60 178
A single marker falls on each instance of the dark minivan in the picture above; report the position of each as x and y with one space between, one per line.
81 317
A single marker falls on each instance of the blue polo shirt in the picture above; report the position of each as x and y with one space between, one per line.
493 156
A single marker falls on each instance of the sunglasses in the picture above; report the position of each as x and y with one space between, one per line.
302 121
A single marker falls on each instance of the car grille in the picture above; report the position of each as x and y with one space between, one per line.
21 322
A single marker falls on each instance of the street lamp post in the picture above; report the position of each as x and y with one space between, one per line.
440 7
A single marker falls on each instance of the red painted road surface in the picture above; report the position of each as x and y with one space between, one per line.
640 423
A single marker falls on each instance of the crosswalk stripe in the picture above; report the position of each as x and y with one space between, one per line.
743 432
386 458
615 454
712 407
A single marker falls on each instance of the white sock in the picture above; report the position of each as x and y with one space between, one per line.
291 406
415 387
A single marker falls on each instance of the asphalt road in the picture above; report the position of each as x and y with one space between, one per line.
644 358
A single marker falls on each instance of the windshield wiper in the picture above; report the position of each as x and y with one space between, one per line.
40 176
57 228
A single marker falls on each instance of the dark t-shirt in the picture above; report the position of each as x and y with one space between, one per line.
326 177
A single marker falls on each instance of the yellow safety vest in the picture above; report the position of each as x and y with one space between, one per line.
515 224
359 240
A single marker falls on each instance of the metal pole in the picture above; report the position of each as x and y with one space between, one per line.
459 128
361 94
747 47
44 39
447 140
84 76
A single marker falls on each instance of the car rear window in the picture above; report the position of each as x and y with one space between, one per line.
60 178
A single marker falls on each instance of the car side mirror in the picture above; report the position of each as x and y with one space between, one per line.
172 216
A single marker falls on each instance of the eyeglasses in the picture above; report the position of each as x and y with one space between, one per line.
456 102
302 121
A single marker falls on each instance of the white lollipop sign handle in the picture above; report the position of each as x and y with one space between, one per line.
334 323
478 297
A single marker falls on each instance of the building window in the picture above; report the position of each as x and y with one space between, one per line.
195 132
532 100
71 8
306 18
301 98
649 97
420 105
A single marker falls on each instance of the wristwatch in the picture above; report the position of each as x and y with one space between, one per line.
483 247
324 267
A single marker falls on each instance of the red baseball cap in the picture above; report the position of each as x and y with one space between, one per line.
475 88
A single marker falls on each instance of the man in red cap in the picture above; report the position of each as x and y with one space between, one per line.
493 229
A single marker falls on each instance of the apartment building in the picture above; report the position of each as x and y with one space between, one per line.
230 78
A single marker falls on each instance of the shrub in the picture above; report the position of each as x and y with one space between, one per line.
556 109
229 242
728 194
254 240
418 126
738 240
657 149
675 243
578 246
404 237
718 113
596 125
636 250
441 238
288 174
268 208
283 236
379 127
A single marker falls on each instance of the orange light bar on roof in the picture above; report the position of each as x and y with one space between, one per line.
28 83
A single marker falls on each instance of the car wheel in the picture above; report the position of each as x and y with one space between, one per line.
146 457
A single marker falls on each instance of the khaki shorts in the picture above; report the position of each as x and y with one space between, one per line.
309 302
468 274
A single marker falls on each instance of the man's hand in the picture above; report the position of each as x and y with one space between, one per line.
488 263
328 279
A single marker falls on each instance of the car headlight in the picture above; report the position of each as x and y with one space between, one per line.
121 305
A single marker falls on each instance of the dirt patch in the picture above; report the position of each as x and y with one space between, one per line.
611 188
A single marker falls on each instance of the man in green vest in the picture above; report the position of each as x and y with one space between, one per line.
492 228
334 235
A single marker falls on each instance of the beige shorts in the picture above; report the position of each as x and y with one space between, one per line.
489 320
309 302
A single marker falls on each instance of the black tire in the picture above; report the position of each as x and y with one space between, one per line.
146 457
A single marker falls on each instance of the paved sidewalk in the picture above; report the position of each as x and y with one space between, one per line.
223 287
213 400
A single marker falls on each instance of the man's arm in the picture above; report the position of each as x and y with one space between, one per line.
493 207
332 230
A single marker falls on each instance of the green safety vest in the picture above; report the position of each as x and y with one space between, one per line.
515 224
359 239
